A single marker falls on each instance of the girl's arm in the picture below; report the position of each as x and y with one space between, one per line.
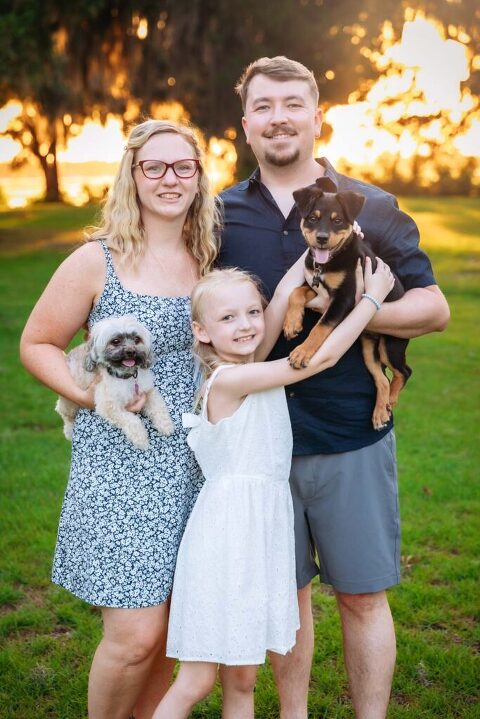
61 311
277 308
257 376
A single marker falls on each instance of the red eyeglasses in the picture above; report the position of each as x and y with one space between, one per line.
155 169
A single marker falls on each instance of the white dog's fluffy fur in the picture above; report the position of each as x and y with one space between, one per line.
118 355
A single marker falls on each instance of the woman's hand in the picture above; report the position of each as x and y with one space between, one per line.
88 399
378 283
138 403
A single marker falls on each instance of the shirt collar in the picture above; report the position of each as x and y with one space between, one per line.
330 172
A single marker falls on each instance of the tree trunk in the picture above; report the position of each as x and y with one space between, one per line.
49 166
52 190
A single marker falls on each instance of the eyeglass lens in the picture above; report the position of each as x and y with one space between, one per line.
155 169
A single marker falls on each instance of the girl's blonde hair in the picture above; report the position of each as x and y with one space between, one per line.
121 225
202 297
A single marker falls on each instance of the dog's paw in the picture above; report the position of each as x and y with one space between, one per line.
292 327
300 357
381 417
140 442
138 437
164 425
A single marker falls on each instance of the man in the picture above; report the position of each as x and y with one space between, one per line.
343 475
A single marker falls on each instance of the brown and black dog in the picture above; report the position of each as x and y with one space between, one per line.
327 225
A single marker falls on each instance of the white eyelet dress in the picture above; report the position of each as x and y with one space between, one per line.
234 593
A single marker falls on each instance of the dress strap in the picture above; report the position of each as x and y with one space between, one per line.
209 384
111 275
108 257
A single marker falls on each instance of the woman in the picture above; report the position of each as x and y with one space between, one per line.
125 509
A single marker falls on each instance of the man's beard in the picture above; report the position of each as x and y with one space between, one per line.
279 160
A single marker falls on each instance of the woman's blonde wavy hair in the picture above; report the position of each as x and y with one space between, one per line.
121 225
203 298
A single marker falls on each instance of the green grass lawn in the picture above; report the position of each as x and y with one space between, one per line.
47 636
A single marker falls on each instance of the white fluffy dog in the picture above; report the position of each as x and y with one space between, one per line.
117 355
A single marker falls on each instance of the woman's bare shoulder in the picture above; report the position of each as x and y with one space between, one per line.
90 254
87 260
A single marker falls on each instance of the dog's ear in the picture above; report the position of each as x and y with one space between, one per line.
90 360
325 184
305 198
351 203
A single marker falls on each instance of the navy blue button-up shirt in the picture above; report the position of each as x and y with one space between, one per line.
331 411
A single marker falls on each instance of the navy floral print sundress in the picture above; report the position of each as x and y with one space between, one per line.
125 509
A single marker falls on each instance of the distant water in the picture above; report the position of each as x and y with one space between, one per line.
18 189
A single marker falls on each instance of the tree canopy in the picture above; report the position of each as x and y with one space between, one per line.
93 57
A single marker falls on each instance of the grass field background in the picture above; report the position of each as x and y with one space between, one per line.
47 637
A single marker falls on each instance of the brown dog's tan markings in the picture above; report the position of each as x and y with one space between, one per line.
381 412
334 280
293 322
310 237
337 239
398 380
301 355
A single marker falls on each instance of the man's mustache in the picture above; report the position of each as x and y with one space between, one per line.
280 131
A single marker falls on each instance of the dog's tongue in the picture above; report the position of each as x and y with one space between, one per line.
321 256
128 362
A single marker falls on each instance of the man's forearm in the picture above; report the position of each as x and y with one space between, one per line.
420 311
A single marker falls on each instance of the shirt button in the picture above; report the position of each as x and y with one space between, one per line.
291 394
285 232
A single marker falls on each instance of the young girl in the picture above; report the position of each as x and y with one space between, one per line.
234 594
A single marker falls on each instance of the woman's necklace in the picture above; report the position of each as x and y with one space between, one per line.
177 270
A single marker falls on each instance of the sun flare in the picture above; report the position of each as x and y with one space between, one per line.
416 120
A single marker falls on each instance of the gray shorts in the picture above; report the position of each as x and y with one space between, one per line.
347 517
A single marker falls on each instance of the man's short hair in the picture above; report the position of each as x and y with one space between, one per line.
278 68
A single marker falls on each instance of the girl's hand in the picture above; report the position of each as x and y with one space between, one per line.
295 277
379 283
359 282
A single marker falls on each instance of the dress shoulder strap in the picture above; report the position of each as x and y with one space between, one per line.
108 256
209 384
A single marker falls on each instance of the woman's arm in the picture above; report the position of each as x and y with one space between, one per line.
61 311
257 376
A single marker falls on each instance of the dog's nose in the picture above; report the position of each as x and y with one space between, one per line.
321 237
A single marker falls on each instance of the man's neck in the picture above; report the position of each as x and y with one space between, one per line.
290 177
282 181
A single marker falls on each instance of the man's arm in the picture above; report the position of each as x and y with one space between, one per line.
421 310
395 238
